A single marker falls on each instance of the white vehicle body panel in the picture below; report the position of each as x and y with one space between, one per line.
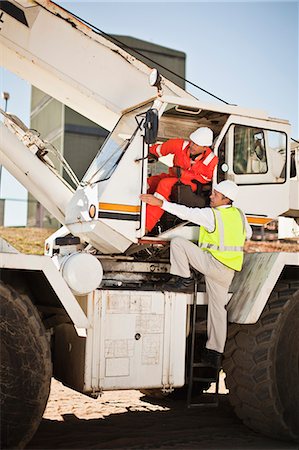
253 285
45 264
137 340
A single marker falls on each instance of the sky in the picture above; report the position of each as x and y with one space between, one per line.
244 52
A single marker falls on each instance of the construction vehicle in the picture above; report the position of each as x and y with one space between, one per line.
90 310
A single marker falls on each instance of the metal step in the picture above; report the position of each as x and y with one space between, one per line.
205 399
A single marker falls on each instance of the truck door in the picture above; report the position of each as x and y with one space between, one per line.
253 154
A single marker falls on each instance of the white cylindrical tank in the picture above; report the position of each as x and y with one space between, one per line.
82 272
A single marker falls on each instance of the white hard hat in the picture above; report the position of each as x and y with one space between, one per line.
227 188
202 136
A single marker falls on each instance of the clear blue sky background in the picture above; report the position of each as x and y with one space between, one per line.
243 52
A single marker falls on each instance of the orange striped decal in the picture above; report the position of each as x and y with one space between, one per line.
254 220
119 207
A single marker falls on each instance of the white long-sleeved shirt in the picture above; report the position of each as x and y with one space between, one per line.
199 216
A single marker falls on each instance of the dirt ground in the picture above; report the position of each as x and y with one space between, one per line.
130 420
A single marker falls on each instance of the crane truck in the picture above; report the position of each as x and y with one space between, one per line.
90 310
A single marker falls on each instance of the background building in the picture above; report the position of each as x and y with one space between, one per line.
78 138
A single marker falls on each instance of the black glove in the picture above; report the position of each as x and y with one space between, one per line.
152 158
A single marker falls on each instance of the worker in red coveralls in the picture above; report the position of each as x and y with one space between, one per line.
193 160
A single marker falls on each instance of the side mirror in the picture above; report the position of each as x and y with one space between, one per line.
151 126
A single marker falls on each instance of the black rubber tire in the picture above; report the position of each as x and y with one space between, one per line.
26 368
262 367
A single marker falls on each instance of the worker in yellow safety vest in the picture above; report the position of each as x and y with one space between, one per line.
219 253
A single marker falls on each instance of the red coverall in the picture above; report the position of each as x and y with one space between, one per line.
201 168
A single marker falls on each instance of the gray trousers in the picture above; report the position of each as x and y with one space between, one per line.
218 278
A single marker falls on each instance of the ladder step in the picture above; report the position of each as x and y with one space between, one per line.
206 404
212 399
207 379
200 364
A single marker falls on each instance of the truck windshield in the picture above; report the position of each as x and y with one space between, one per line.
114 147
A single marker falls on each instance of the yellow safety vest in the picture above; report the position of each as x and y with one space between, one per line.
226 242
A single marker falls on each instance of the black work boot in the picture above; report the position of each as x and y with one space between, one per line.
211 358
179 284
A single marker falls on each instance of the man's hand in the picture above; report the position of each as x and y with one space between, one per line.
151 200
152 158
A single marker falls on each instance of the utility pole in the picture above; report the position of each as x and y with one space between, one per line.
5 96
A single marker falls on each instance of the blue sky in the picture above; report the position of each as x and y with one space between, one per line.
243 52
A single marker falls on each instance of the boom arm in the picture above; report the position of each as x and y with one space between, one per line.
23 154
44 44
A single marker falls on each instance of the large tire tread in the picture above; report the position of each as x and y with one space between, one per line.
251 370
26 368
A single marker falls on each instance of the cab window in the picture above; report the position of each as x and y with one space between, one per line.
259 152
